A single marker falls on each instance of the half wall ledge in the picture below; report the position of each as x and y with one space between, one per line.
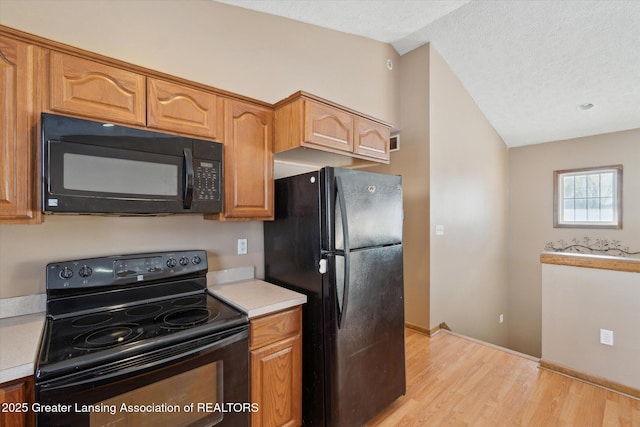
602 262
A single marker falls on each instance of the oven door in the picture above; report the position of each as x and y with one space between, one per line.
203 382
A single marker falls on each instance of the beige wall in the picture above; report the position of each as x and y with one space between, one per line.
578 302
253 54
531 217
412 162
26 249
468 192
454 169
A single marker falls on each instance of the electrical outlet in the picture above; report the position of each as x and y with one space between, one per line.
242 246
606 337
501 319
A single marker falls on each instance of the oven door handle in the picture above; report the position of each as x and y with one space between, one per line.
99 374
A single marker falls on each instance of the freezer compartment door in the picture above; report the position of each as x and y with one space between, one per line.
367 209
366 361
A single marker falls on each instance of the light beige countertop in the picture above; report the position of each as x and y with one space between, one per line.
257 297
19 342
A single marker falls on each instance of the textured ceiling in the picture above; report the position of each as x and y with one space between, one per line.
527 64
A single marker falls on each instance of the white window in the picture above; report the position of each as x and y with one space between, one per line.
588 198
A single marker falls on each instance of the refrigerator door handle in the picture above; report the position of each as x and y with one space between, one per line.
343 213
342 311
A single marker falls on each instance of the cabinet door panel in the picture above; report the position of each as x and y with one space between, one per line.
18 152
182 109
91 89
328 126
248 164
372 139
276 383
20 392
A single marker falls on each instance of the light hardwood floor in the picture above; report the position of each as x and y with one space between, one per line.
452 381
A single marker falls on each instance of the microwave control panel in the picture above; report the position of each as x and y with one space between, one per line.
207 182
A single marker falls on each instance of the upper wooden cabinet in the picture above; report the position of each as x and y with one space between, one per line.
304 120
371 139
327 126
18 141
248 161
178 108
90 89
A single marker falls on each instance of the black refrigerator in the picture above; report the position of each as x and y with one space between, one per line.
337 237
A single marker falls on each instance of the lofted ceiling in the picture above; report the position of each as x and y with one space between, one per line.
529 65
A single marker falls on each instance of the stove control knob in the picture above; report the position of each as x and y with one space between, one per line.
196 260
184 261
85 271
171 262
66 273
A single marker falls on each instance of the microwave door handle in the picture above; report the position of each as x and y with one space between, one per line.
187 196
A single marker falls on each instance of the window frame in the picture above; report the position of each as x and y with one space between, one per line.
558 195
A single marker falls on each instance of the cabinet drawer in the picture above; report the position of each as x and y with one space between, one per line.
90 89
269 329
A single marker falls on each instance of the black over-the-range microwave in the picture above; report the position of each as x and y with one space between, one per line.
100 168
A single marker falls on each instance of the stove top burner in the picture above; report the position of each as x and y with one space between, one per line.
107 337
91 320
182 302
182 318
144 310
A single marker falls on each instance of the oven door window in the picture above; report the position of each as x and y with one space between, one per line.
164 402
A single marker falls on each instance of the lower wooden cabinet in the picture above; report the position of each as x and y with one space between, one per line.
276 369
16 398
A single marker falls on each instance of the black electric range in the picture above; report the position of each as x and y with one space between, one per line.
109 309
